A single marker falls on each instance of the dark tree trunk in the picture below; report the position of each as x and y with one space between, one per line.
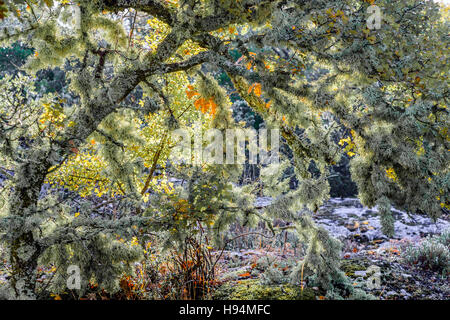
25 249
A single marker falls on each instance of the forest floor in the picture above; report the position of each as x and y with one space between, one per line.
365 250
258 268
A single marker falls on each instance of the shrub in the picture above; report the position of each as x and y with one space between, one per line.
444 238
433 253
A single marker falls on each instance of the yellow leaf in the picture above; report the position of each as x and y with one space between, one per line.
372 39
391 174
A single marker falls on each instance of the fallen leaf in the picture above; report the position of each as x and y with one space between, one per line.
244 275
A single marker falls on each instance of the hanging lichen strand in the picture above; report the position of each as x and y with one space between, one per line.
309 68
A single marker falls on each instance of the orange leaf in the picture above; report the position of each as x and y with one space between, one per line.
198 103
205 106
250 89
247 274
190 94
213 107
257 89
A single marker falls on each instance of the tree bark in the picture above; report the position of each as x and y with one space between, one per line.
25 248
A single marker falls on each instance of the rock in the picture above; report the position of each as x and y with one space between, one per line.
360 273
262 202
352 227
346 218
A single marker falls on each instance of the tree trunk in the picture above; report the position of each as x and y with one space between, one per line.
25 248
24 258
